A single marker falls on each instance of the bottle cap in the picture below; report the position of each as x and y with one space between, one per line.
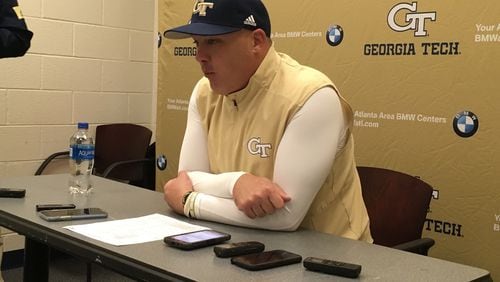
83 125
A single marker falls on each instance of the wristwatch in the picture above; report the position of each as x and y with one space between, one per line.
185 197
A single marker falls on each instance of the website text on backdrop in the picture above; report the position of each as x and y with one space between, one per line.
268 141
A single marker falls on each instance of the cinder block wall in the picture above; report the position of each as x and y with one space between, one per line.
90 60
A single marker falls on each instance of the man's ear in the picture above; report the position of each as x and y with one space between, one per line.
260 39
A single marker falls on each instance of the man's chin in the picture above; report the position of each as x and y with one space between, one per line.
216 89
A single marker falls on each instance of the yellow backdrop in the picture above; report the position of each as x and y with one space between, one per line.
423 79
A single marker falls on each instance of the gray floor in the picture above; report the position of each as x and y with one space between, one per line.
68 269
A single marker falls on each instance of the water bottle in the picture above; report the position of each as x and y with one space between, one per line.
81 160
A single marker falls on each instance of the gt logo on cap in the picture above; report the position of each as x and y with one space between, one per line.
201 7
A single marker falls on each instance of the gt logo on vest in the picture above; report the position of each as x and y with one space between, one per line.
416 21
201 7
256 147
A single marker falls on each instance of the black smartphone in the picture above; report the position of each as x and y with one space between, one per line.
332 267
238 249
12 193
72 214
44 207
265 260
196 239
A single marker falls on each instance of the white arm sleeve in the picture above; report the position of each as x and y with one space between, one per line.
304 159
194 157
194 154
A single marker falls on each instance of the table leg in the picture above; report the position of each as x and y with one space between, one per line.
36 261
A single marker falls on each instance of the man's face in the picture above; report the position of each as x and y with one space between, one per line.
226 60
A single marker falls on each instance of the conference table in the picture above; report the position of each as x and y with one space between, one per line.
155 261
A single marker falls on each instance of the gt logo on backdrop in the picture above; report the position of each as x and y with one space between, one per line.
404 17
414 21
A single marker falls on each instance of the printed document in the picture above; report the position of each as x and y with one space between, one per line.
135 230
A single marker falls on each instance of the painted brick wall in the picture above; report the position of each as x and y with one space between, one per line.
91 60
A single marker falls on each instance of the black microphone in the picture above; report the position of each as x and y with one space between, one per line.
235 104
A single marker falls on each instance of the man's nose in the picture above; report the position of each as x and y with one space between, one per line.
201 55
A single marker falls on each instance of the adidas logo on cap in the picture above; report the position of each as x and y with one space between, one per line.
250 21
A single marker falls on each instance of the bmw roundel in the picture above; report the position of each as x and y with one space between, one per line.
161 162
334 35
159 39
465 124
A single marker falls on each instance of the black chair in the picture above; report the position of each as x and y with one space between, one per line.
122 153
397 205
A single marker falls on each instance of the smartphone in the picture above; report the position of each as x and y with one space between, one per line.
332 267
265 260
238 249
12 193
196 239
44 207
72 214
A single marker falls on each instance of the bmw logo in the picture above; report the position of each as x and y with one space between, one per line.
161 162
465 124
159 39
334 35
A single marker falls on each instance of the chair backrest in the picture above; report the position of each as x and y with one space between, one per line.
397 204
148 180
121 142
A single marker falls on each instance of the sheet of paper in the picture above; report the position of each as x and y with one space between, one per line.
134 230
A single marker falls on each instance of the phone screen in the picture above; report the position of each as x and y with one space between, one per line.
266 257
197 239
199 236
265 260
238 248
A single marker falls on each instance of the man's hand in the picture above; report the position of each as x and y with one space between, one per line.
175 190
258 196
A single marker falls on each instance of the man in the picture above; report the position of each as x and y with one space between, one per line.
15 37
268 141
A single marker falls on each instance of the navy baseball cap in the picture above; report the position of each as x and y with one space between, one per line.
216 17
